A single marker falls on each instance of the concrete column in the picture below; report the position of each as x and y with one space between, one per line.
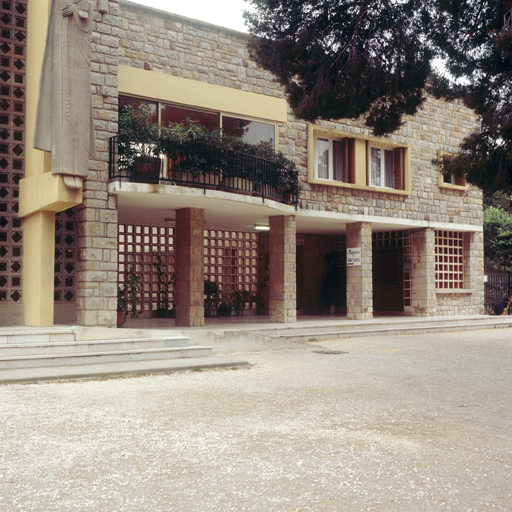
189 277
474 270
360 278
97 264
38 262
282 277
263 269
423 285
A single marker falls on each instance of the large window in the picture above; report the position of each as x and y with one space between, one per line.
382 167
346 160
329 159
253 132
449 249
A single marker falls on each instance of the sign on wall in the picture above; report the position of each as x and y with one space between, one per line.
354 257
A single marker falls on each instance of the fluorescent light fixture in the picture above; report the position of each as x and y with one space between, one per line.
259 227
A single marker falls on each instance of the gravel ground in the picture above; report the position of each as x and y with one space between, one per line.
404 423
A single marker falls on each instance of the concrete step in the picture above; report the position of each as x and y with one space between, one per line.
131 354
117 369
387 329
18 335
74 347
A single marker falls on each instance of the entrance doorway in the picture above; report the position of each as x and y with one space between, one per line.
388 279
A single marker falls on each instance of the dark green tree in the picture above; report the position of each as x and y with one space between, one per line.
374 58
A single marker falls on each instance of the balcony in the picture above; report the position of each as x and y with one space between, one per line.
196 164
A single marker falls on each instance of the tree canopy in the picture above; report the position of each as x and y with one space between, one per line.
377 58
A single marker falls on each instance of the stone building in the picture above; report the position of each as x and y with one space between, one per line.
375 227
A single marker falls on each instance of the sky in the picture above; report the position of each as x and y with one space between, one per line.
225 13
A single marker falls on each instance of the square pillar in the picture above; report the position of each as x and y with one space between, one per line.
38 268
282 277
474 270
423 283
263 268
360 278
189 277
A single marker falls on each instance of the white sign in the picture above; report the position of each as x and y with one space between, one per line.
354 257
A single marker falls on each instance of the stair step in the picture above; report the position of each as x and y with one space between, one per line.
71 347
30 335
391 330
31 361
116 369
351 326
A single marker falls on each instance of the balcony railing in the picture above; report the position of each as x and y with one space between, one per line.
200 165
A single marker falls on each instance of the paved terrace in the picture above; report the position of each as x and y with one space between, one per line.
393 424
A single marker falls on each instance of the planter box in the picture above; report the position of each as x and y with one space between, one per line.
147 169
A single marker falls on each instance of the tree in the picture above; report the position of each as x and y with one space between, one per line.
497 238
374 58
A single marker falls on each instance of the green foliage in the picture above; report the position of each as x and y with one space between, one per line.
345 59
212 297
128 294
497 238
154 140
163 282
352 58
239 298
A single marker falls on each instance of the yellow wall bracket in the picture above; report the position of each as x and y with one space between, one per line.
46 193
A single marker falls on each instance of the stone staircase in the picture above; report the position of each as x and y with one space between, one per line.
384 327
54 354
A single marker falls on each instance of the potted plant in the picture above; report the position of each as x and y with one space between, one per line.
128 297
163 283
239 300
225 308
289 185
212 298
190 150
138 143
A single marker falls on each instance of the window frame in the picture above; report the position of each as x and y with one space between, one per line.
330 162
454 183
159 103
383 170
356 160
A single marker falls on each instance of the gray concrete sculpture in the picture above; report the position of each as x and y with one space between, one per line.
64 123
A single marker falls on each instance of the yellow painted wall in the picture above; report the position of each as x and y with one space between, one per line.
35 161
172 89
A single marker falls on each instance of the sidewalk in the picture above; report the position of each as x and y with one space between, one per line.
397 423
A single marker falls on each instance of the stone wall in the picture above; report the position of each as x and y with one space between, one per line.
97 215
173 45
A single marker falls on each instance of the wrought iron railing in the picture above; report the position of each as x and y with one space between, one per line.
200 165
497 286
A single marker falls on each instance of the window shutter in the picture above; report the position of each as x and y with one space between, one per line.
399 168
351 160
